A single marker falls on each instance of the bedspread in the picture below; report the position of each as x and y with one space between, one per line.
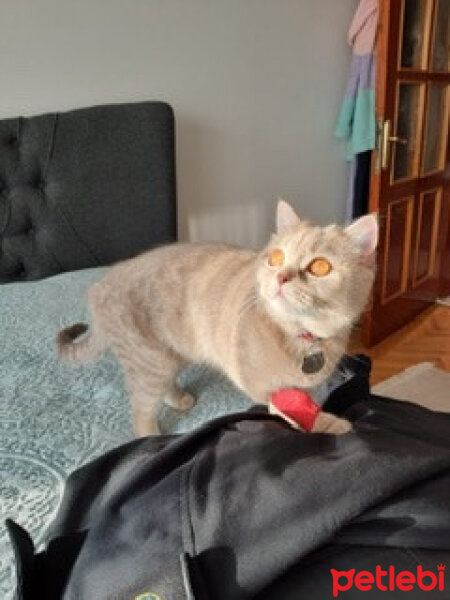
55 417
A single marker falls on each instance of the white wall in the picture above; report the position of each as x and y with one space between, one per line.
256 86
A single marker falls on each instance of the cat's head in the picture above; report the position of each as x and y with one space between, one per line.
317 278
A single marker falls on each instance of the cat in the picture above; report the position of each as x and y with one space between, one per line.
253 315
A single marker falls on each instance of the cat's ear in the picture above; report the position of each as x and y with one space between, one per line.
286 217
364 234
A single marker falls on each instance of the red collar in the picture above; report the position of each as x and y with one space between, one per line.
309 337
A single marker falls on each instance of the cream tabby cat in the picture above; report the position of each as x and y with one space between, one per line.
252 315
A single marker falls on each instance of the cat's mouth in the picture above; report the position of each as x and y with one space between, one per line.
304 310
296 304
298 298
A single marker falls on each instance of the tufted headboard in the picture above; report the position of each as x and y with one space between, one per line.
85 188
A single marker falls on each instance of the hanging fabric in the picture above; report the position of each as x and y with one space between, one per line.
356 122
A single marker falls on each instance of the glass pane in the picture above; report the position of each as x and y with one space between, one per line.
435 128
441 50
398 234
414 17
426 246
405 155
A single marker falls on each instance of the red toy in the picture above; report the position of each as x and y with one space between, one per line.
296 407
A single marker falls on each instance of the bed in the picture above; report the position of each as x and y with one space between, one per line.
78 191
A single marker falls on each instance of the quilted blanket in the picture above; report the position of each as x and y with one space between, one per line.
54 417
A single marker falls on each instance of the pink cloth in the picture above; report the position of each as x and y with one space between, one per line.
363 29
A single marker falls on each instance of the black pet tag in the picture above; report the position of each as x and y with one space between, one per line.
312 363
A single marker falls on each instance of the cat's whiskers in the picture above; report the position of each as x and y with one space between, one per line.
248 304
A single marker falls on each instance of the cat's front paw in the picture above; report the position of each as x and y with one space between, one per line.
328 423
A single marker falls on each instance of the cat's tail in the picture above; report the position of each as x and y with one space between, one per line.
71 350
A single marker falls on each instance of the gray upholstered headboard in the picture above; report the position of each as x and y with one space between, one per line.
84 188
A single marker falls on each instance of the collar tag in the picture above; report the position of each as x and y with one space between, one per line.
313 362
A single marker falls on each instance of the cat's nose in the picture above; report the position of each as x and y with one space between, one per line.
282 278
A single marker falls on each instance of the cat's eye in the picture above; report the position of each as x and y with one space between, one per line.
276 257
319 267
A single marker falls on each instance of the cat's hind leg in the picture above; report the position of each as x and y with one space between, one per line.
150 373
149 382
150 367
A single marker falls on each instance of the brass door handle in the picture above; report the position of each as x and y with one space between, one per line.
384 137
398 140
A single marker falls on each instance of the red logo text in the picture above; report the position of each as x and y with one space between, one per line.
388 580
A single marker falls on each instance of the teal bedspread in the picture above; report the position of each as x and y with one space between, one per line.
54 417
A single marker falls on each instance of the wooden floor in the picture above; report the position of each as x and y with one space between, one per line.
427 338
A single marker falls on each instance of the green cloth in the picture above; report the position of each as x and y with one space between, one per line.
356 123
